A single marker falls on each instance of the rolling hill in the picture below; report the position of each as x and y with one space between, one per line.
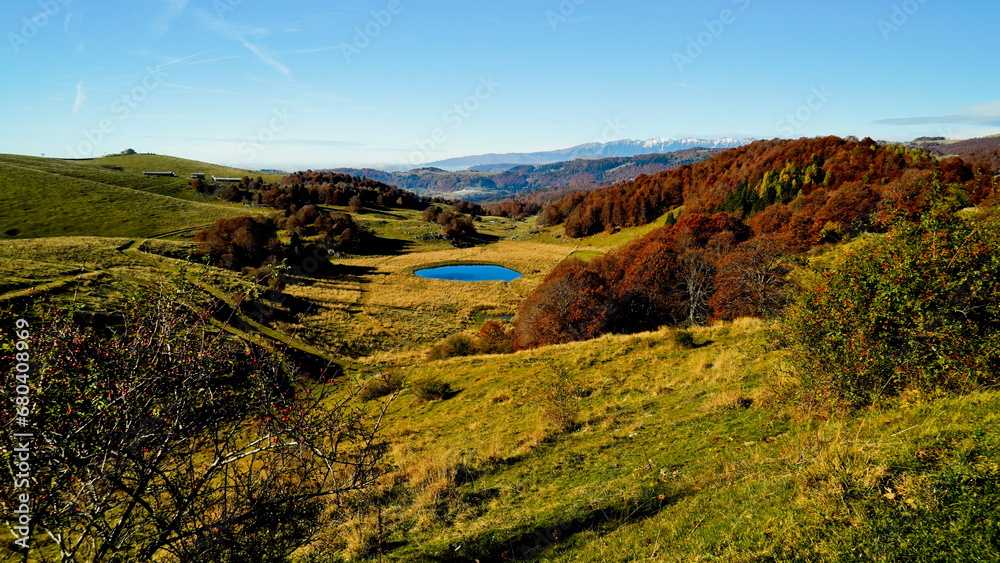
108 197
984 151
673 444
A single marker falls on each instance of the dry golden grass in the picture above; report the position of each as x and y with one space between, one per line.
36 262
92 253
334 321
389 313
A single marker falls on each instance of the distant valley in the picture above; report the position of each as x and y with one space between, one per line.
502 182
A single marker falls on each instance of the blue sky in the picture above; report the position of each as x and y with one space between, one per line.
307 83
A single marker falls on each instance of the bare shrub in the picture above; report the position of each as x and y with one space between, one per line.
558 398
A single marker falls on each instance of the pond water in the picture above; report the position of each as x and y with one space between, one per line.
470 273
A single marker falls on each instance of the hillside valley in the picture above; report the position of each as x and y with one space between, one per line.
783 351
542 182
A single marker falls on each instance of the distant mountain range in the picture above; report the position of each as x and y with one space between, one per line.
625 148
493 183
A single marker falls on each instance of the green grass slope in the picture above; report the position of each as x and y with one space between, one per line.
127 170
676 455
674 452
106 197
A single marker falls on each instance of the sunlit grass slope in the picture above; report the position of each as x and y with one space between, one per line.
676 455
48 197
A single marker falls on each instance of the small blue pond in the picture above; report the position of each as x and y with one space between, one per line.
471 273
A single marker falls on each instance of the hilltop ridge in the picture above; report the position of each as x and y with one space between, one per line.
107 196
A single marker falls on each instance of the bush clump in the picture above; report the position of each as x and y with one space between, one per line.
432 390
684 339
382 386
918 308
558 399
455 345
493 338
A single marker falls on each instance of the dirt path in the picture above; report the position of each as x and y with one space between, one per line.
262 331
55 284
180 231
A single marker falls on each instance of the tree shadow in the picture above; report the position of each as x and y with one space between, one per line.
373 212
474 240
313 368
352 272
330 270
529 542
378 246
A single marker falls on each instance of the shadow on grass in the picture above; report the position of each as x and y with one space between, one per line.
331 270
302 362
530 541
378 246
471 241
372 212
352 273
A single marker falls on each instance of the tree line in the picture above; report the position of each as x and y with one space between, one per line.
705 267
739 219
803 184
252 242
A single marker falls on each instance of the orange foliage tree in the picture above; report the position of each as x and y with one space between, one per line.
573 303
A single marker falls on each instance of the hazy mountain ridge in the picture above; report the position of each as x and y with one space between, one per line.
516 181
622 148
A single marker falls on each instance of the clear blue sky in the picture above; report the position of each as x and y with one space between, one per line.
308 83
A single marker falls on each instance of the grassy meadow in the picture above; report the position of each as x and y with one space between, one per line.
662 446
673 453
107 197
376 308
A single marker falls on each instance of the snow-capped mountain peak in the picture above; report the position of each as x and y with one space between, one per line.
624 148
